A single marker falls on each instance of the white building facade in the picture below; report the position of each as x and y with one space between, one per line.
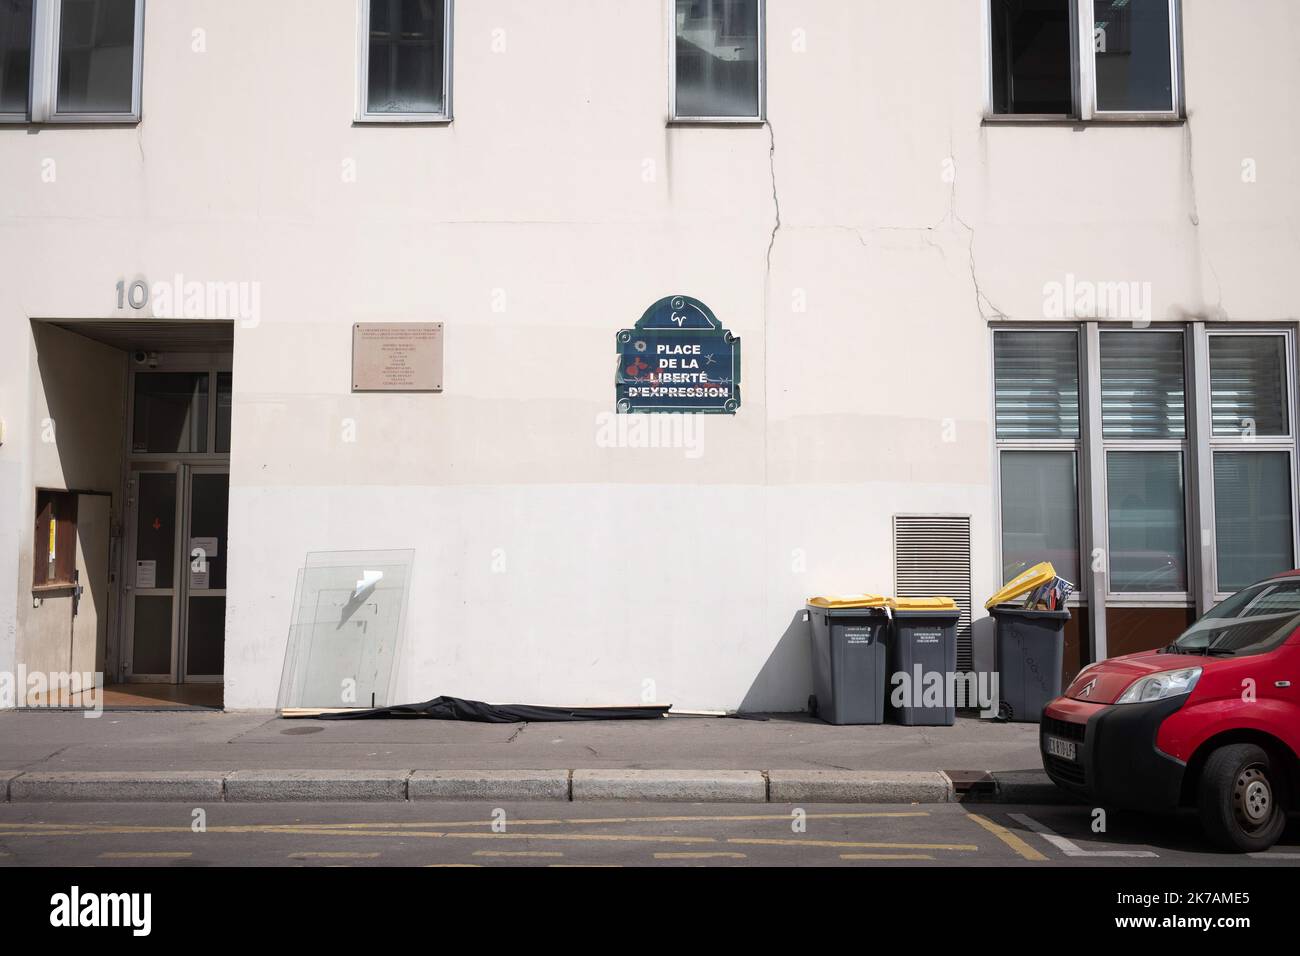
1012 280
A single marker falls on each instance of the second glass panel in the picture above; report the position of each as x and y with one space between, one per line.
1147 519
1133 56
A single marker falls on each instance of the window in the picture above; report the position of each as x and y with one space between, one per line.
405 61
717 70
1253 452
1036 392
70 61
1146 512
54 555
170 413
1040 512
15 57
1084 59
1144 427
1033 62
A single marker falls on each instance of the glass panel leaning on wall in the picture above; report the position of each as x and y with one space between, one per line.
345 636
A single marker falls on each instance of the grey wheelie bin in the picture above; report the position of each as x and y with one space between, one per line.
849 658
923 642
1029 642
1030 653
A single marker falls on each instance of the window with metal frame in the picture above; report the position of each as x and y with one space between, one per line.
1084 59
404 61
717 71
70 61
1144 432
1252 449
1036 397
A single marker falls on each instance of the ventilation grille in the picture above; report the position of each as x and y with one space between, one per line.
932 558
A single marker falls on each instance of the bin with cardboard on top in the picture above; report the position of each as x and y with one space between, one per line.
1030 641
848 658
922 658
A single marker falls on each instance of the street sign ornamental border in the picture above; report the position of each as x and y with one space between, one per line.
678 336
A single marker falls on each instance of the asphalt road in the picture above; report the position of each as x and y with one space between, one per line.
602 834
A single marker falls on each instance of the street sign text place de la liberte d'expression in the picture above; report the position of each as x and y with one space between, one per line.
678 358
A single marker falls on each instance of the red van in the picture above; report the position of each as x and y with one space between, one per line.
1211 722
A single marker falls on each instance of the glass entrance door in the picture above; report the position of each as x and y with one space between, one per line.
204 612
176 590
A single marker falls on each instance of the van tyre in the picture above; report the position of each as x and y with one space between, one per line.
1241 800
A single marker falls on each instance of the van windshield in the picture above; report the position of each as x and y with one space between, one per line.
1253 621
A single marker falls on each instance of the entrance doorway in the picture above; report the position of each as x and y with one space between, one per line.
175 523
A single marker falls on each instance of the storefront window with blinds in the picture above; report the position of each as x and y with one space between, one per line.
1036 388
1253 453
1147 482
1144 425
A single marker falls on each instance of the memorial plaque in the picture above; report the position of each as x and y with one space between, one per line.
397 357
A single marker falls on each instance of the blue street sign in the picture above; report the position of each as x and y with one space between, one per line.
678 358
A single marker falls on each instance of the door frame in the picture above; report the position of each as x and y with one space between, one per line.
130 592
134 463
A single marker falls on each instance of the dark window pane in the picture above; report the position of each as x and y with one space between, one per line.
406 56
171 412
1040 512
717 58
1143 395
209 502
206 647
223 411
1032 69
96 53
1147 515
1248 393
1132 39
15 54
152 645
1036 383
156 528
1252 516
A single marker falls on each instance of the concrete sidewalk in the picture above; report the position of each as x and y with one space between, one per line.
50 756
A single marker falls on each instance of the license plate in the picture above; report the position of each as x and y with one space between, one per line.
1066 749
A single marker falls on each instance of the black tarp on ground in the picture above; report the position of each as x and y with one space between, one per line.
457 708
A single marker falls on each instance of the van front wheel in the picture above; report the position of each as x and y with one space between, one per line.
1241 805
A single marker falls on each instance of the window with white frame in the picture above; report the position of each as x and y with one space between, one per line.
1191 507
70 61
405 61
717 70
1084 59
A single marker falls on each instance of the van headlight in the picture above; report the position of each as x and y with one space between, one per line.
1160 686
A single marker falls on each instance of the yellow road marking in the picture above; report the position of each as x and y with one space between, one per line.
1009 838
754 841
596 837
131 855
331 855
428 866
546 853
885 856
700 856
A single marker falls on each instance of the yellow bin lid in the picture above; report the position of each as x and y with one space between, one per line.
1023 583
923 604
848 600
